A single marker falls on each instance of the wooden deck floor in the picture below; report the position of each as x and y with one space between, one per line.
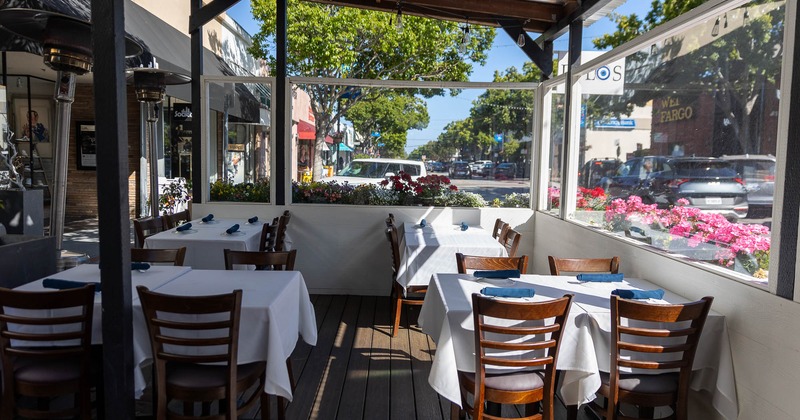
358 371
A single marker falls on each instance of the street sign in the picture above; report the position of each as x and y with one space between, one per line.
380 144
376 134
498 138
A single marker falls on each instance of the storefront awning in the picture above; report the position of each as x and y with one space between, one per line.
345 148
307 131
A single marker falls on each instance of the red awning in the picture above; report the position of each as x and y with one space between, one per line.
307 131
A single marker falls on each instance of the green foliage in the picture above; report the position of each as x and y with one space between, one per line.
257 192
631 26
464 199
515 200
391 113
174 195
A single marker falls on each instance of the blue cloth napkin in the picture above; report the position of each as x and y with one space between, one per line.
183 227
639 294
597 277
497 274
252 220
208 218
67 284
508 292
232 229
140 266
464 226
423 223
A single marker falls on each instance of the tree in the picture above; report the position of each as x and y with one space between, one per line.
391 115
738 67
332 41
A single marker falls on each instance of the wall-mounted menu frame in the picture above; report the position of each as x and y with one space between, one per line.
86 145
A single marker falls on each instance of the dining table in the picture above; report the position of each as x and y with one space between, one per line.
584 351
205 242
430 249
276 311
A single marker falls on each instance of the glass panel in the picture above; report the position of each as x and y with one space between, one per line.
349 153
680 152
240 149
554 136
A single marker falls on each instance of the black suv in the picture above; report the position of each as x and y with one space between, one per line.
595 170
630 175
460 169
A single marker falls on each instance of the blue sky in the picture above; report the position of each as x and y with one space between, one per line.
504 54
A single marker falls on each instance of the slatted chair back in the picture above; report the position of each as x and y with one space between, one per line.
499 227
531 331
194 341
657 339
263 260
173 220
61 323
560 266
511 240
269 232
146 226
412 295
479 262
280 236
390 221
393 236
148 255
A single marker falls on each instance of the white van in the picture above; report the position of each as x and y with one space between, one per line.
373 171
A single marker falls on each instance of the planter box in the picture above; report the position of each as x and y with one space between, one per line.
22 212
25 258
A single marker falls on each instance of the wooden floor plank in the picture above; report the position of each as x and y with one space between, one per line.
378 384
330 390
427 400
402 404
314 369
354 391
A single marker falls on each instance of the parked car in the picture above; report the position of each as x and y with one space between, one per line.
436 167
477 165
630 175
485 170
373 171
595 170
505 170
709 184
460 169
758 173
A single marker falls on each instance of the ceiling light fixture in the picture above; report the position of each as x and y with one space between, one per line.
746 17
398 24
725 20
465 38
521 37
715 29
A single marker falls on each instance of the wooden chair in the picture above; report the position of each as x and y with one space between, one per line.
280 235
186 334
269 232
174 256
510 240
558 266
146 226
173 220
61 321
263 260
499 228
671 333
479 262
413 295
535 336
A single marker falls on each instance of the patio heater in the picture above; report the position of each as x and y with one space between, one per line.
67 49
150 84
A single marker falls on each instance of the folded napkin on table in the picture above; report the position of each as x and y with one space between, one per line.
508 292
252 220
208 218
232 229
606 278
497 274
423 223
464 226
183 227
639 294
140 266
67 284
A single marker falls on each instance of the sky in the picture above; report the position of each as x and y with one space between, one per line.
504 54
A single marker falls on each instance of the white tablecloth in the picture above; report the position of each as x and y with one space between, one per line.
275 309
432 249
447 317
205 242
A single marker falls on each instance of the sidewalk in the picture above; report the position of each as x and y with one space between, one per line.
83 237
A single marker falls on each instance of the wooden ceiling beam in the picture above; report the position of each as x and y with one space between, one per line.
522 9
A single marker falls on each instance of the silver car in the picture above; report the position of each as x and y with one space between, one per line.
758 173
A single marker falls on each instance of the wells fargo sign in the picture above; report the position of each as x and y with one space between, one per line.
673 109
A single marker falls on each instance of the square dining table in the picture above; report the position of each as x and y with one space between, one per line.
584 352
276 309
205 242
432 249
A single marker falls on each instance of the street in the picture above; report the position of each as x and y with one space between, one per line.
489 188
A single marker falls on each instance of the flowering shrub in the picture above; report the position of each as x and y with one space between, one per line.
749 244
322 192
173 196
429 190
521 200
554 197
587 198
257 192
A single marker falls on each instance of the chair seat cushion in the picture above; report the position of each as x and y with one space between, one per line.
195 376
517 381
47 371
647 384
